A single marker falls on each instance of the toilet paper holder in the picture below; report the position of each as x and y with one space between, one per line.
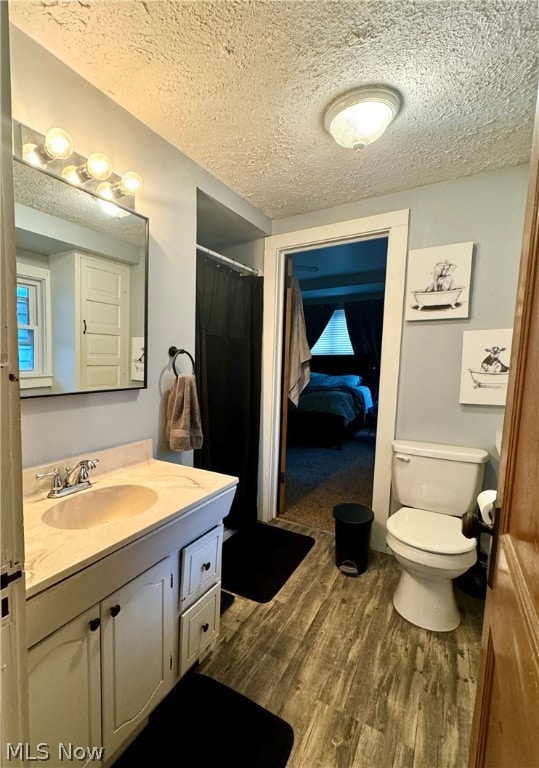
474 524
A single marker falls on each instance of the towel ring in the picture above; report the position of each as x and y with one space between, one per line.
174 352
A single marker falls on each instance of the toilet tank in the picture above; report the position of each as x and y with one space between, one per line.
436 477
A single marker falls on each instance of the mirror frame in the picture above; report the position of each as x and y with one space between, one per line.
145 245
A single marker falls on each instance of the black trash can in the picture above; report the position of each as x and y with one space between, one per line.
353 524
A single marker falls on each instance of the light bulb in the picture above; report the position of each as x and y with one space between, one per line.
29 153
105 190
58 144
98 166
131 183
71 173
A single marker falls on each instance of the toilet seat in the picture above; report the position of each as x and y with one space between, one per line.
429 531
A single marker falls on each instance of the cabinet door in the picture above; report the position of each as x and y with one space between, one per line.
64 681
137 651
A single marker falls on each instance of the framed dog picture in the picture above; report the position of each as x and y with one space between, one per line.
485 366
438 282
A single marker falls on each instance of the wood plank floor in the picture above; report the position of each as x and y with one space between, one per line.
361 687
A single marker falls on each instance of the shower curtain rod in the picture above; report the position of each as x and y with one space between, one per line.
226 260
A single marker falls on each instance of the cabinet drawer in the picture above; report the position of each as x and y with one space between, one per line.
199 627
200 566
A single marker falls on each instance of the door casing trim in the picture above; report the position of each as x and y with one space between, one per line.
394 226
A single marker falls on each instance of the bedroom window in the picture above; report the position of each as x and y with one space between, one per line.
334 339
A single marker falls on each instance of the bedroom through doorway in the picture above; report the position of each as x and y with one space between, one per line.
329 430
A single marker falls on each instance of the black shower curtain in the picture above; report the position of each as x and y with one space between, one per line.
228 368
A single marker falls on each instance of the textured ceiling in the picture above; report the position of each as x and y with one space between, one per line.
241 87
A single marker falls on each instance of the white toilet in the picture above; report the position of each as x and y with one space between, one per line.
435 484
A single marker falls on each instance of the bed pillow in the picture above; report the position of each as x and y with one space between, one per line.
349 378
317 378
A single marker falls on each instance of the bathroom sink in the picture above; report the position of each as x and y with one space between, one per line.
96 507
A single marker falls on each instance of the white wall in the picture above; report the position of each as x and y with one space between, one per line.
489 210
46 93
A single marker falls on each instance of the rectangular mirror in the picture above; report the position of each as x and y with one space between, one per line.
82 292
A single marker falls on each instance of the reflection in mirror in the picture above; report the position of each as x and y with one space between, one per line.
82 267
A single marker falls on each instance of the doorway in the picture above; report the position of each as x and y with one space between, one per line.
329 435
394 226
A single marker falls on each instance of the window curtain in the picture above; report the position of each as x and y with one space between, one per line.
317 316
364 320
228 368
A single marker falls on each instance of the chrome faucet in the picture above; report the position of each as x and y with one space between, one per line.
79 474
74 480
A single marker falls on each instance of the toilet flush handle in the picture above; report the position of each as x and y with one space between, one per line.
406 459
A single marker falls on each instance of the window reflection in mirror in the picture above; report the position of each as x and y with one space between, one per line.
81 288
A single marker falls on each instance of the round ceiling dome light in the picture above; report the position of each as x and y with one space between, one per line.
361 116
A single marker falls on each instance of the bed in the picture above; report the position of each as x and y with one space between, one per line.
329 409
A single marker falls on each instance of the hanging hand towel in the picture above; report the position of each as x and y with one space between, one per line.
183 428
300 354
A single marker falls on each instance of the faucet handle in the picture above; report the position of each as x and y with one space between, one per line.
85 465
57 483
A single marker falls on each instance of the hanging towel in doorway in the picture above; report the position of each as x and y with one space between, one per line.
183 428
300 354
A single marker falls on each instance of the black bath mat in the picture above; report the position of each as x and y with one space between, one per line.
215 725
259 559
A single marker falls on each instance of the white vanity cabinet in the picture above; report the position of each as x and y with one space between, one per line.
93 681
117 613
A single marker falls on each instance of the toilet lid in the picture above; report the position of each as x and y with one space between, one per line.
430 531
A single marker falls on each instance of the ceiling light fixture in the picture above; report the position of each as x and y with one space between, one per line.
361 116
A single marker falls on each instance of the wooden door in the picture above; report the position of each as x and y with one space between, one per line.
285 382
505 731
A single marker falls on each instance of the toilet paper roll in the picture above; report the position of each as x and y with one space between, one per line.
485 502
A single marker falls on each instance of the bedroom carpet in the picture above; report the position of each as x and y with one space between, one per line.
259 559
224 727
318 478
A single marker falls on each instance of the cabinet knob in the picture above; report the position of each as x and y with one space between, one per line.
205 627
206 566
115 610
94 624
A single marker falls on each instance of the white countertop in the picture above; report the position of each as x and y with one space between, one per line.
52 554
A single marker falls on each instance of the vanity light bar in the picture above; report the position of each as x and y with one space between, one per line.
56 147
